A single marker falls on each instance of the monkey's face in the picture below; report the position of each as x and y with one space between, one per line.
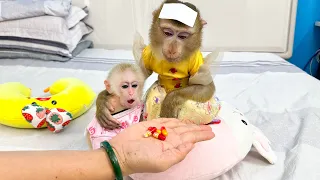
175 41
130 90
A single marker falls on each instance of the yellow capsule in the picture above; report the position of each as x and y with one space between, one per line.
147 134
164 132
159 131
155 134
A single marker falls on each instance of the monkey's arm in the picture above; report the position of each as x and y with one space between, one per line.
138 47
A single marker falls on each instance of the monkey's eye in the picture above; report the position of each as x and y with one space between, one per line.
167 32
183 35
125 86
135 85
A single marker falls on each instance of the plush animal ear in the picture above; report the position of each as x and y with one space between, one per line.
262 144
108 86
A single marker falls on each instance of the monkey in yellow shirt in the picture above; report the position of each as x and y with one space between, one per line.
174 53
173 76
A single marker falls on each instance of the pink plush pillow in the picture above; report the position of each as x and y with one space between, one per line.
207 160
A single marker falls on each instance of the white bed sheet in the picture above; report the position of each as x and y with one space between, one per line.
276 96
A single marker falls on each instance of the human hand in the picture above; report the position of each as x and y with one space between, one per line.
137 154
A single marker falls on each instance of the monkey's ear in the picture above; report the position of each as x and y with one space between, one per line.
154 12
107 85
203 22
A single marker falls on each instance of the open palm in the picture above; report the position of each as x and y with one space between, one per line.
138 154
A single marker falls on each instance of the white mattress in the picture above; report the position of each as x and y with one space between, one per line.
279 98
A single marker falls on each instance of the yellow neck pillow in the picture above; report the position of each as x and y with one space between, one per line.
70 98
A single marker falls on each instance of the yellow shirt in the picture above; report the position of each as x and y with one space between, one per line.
172 75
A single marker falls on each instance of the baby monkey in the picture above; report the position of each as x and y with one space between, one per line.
122 94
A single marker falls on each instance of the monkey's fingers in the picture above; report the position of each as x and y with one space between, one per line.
103 123
111 125
107 124
110 120
101 120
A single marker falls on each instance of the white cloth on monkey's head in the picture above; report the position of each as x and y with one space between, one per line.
126 118
179 12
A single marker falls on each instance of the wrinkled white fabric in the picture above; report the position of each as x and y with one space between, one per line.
276 96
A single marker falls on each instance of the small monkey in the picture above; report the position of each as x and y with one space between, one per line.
123 93
174 53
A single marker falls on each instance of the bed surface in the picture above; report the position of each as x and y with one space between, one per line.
276 96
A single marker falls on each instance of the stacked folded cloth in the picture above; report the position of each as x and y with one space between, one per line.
43 29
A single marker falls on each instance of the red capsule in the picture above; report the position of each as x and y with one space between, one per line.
159 136
153 129
150 131
162 137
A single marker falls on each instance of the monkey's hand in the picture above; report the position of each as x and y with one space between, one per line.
103 112
171 105
175 99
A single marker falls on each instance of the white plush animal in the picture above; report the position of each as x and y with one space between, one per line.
234 137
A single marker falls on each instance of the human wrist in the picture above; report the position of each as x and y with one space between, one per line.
106 164
117 155
124 168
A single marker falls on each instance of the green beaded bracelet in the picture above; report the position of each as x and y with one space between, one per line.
113 159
